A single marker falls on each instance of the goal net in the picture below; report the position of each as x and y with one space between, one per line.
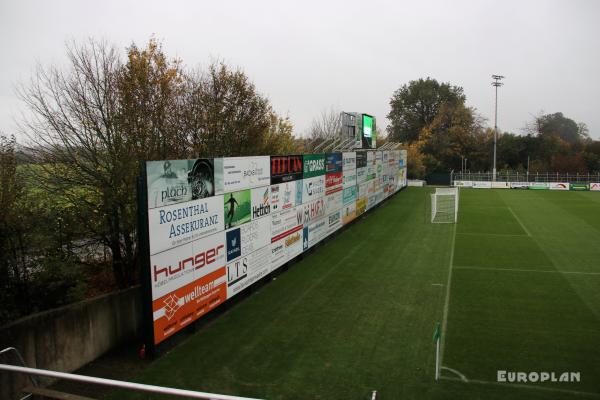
444 205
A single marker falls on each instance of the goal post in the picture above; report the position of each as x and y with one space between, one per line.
444 206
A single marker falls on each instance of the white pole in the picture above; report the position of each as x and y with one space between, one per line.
121 384
437 359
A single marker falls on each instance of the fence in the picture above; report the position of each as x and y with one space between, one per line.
514 176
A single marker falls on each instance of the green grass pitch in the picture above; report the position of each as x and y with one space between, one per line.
516 283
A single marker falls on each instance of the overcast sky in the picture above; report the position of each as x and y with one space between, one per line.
307 56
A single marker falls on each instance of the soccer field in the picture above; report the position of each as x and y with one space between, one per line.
516 285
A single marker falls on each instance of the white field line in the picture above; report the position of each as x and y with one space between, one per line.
519 221
457 373
524 386
447 301
527 270
491 234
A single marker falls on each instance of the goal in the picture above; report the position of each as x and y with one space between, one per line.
444 206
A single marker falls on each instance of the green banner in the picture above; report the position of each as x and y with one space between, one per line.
578 186
237 208
314 165
539 186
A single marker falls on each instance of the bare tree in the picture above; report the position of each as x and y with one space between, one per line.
327 125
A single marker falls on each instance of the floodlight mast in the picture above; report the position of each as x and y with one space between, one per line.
496 84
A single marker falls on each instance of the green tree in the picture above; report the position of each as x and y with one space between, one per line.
562 127
416 104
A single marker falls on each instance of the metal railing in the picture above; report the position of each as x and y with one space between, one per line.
32 378
31 372
515 176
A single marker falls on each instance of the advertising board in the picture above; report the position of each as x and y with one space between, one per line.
559 185
578 186
241 173
482 185
595 186
349 169
313 210
350 195
500 185
237 208
361 167
334 222
177 224
313 233
361 206
176 181
519 185
248 269
285 196
286 168
348 213
187 282
313 165
313 188
539 186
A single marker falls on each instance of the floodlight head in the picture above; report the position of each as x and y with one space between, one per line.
497 77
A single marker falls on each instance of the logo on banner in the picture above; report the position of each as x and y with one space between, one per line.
252 172
237 271
171 306
305 244
234 244
285 168
196 261
264 208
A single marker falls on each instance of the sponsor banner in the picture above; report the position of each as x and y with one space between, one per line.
285 196
333 182
361 167
363 190
578 186
378 164
248 269
286 222
313 188
314 210
371 165
350 195
286 168
248 238
334 222
463 184
176 181
313 233
539 186
394 159
519 185
371 201
500 185
185 264
333 163
595 186
293 244
482 185
237 208
177 224
314 165
181 307
261 202
333 202
349 213
349 169
240 173
403 158
361 206
558 185
278 254
379 196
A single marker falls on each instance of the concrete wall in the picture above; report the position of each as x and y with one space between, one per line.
67 338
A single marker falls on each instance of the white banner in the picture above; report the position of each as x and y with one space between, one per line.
314 210
248 238
184 264
333 202
349 169
182 223
559 185
595 186
261 202
285 222
463 184
285 196
500 185
314 233
482 185
313 188
241 173
520 185
334 222
248 269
